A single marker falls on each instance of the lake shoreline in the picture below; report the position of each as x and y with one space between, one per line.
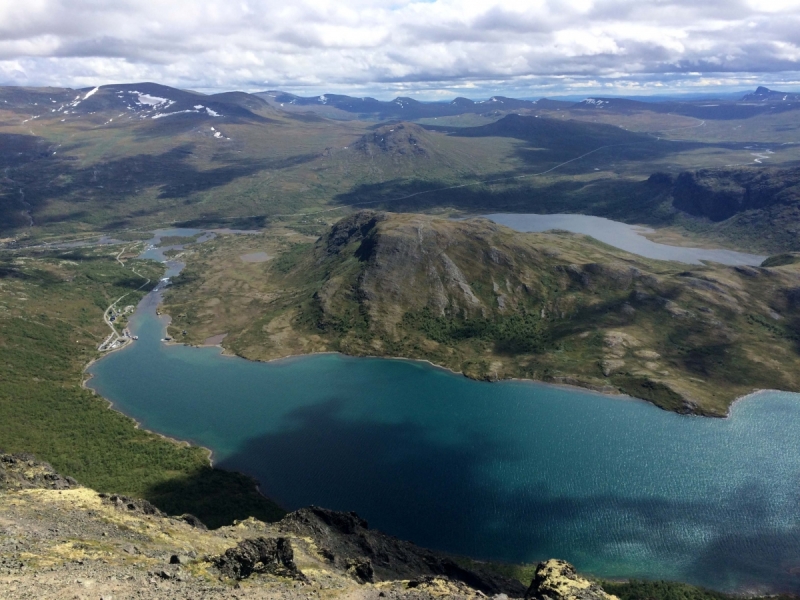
575 385
155 334
87 377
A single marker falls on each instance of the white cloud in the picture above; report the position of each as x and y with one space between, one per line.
385 46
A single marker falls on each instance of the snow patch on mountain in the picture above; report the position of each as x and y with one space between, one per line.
177 112
151 100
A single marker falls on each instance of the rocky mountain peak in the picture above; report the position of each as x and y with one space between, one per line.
397 139
764 94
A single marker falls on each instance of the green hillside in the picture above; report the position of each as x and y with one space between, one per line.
51 308
492 303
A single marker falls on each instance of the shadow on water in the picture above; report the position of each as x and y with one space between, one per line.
306 461
324 457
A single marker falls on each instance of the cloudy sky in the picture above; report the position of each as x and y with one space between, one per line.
427 49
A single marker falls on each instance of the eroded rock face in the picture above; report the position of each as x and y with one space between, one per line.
354 228
259 555
720 193
345 540
557 580
361 570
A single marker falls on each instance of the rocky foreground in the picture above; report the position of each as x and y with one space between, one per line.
59 539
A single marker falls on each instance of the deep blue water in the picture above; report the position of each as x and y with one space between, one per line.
515 471
623 236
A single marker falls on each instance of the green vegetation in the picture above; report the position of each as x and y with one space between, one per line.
492 303
133 173
288 259
781 260
633 589
521 331
51 308
670 590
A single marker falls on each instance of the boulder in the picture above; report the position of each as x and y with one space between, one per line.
259 555
557 580
361 570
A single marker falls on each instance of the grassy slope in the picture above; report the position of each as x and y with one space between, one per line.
51 309
687 338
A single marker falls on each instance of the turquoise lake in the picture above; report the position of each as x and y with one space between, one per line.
513 471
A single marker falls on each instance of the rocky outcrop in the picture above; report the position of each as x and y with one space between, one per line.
23 471
61 540
354 228
346 541
719 194
361 570
557 580
137 505
399 139
259 555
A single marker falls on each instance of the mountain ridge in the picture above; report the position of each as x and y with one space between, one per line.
491 303
409 108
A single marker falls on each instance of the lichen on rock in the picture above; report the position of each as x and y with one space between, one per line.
557 580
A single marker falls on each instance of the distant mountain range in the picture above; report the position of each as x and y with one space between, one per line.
407 108
120 155
133 101
154 101
759 101
764 95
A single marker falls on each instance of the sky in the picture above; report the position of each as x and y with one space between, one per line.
387 48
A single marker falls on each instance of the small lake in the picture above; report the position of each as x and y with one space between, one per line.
623 236
512 471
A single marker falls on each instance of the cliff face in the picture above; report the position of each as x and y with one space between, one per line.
719 194
749 207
